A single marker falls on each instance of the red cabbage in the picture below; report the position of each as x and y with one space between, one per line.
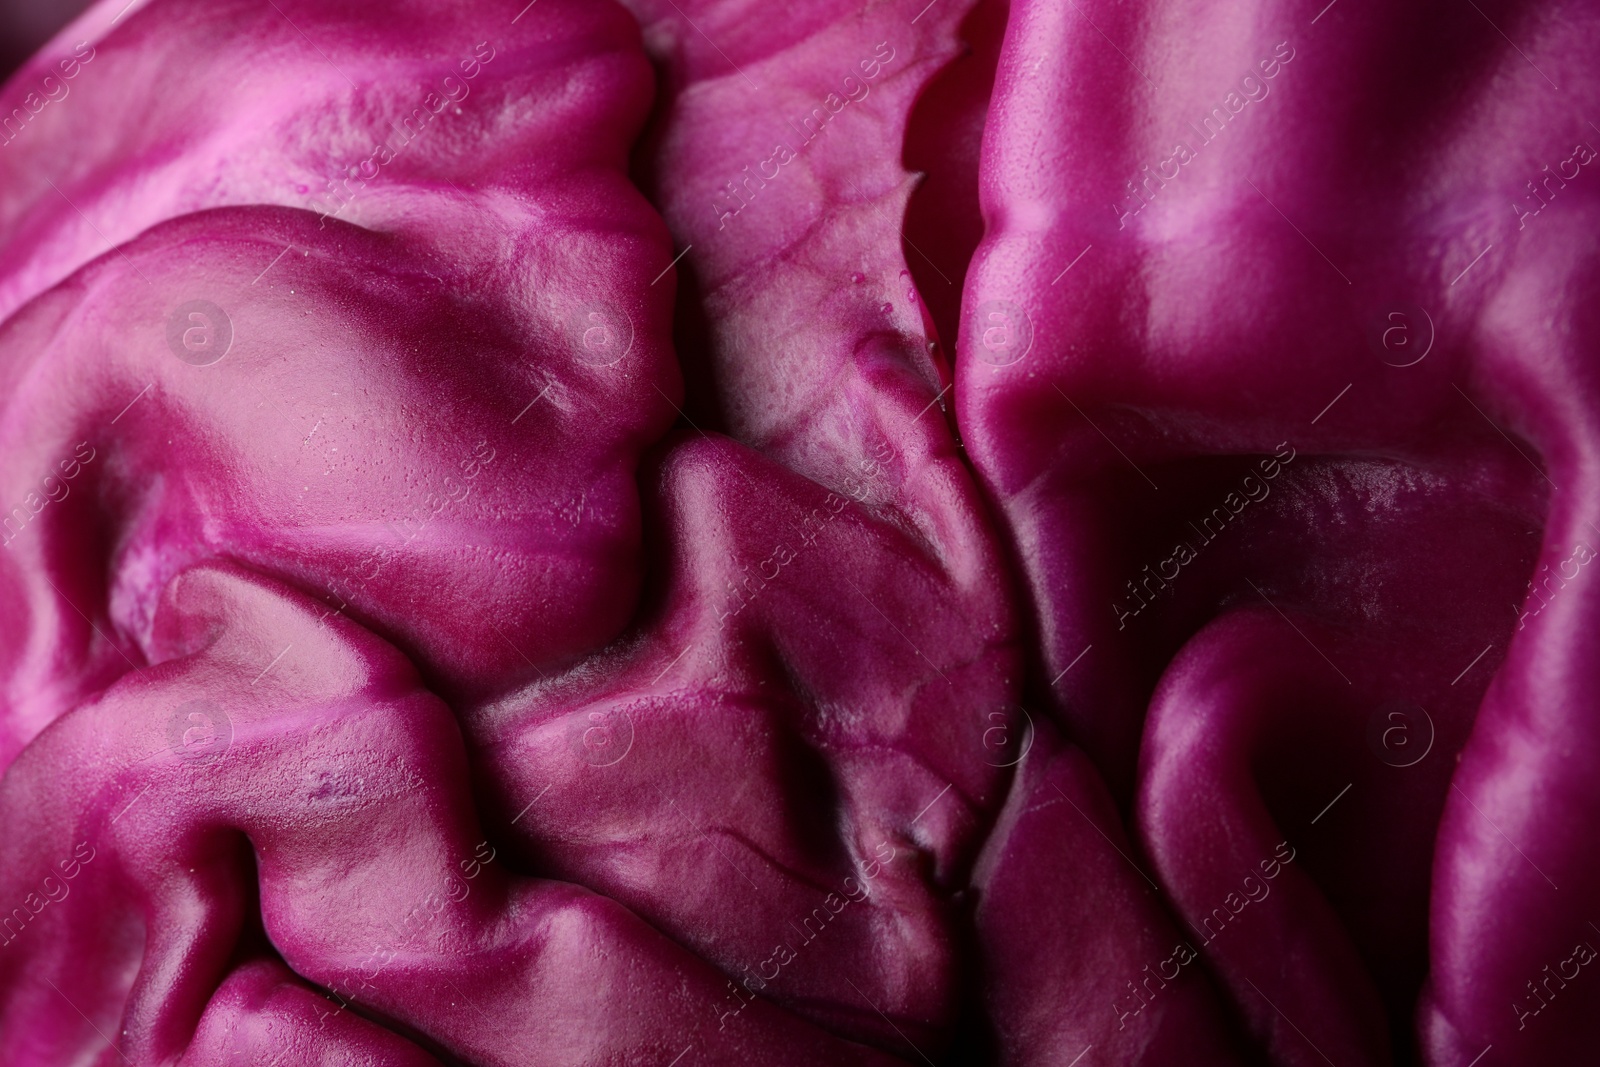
677 532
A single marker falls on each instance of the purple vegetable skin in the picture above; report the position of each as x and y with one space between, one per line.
830 627
475 321
501 569
1280 371
428 346
358 433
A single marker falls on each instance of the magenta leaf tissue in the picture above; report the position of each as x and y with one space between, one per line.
673 532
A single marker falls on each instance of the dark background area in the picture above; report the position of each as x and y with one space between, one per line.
27 24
